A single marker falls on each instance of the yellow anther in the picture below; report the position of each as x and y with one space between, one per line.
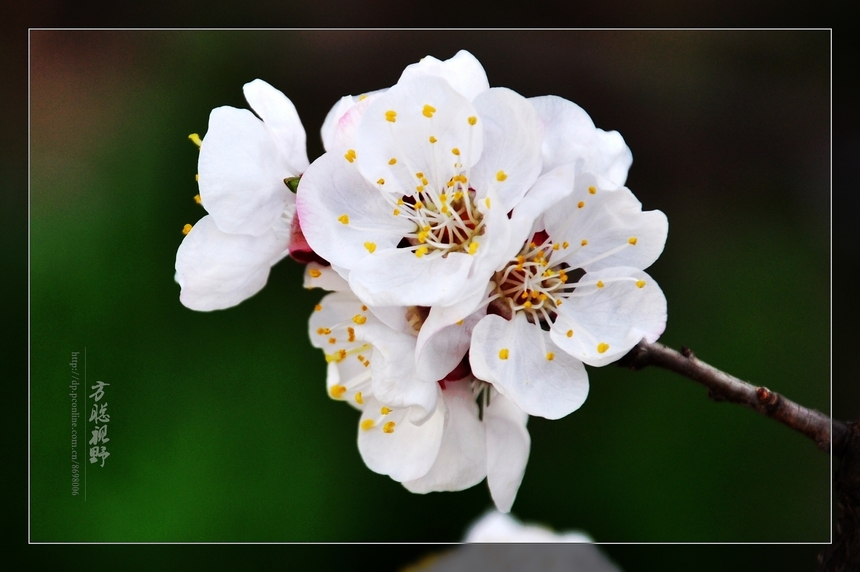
197 199
602 347
640 283
195 138
487 202
461 178
315 272
527 304
343 218
565 244
349 155
473 120
385 410
458 195
584 242
532 245
432 139
332 340
422 236
501 176
550 356
420 189
422 250
323 331
395 212
392 161
359 319
317 308
503 353
424 181
351 331
535 294
460 323
186 229
362 96
418 204
428 111
391 115
367 424
400 201
600 284
337 390
370 246
542 297
592 190
525 294
358 398
473 248
389 427
570 333
580 204
197 177
632 240
380 182
556 246
455 151
364 308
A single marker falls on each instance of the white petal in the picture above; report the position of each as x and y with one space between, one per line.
607 322
464 72
498 527
511 159
440 348
318 276
513 355
242 173
549 189
396 277
217 270
281 118
570 136
508 445
341 214
462 459
341 123
405 453
395 379
616 230
407 139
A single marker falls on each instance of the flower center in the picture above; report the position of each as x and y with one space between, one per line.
533 282
446 220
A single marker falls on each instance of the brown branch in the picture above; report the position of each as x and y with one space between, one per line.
724 387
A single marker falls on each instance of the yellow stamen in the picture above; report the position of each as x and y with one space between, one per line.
503 353
421 251
570 333
332 340
317 308
428 111
584 242
580 204
195 138
473 248
186 229
351 331
632 240
396 212
370 246
392 161
550 356
337 390
501 176
315 273
323 331
455 151
359 319
640 283
391 115
592 190
388 427
197 199
385 410
368 424
433 139
600 284
473 120
380 182
602 347
349 155
343 218
358 398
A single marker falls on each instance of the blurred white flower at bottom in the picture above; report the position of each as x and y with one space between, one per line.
526 550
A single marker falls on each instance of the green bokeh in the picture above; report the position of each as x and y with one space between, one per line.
220 426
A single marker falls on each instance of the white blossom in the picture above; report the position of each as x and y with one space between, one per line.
243 166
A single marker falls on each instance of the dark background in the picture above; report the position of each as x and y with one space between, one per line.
221 429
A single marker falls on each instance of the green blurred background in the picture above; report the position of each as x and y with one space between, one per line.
221 430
